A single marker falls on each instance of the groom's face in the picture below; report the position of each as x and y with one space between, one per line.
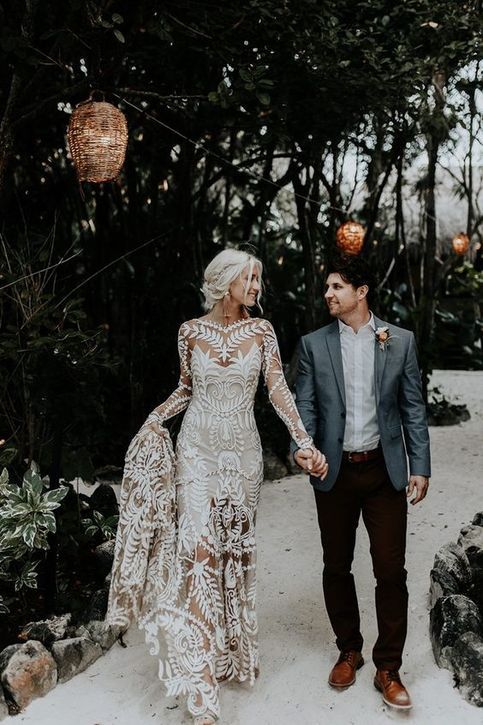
342 297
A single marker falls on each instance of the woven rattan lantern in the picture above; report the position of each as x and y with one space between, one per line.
350 237
461 243
97 139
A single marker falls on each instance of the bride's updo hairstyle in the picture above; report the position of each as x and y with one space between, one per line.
223 270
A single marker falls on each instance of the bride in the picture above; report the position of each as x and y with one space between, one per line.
185 557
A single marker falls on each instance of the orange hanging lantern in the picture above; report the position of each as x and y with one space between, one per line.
461 243
97 140
350 237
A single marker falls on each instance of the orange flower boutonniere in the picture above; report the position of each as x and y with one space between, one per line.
383 336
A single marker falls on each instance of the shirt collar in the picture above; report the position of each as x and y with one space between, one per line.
346 328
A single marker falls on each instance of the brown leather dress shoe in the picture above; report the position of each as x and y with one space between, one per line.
344 671
393 691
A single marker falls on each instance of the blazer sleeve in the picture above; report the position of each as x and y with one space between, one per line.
413 415
305 390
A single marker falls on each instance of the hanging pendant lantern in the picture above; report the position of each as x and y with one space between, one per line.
97 140
350 237
461 243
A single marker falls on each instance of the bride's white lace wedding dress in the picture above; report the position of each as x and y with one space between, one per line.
185 560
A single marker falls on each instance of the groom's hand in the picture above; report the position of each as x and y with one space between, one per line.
320 467
419 486
312 461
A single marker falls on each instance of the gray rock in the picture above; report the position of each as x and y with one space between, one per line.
48 630
104 554
471 539
74 655
478 519
81 631
28 671
104 634
451 572
273 467
6 654
3 705
467 665
450 618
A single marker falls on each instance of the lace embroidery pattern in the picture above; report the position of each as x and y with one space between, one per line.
185 559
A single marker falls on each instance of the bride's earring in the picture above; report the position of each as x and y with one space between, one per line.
226 299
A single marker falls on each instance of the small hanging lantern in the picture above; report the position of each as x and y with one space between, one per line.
461 243
350 237
98 140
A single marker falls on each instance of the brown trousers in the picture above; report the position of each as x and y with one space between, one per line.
365 487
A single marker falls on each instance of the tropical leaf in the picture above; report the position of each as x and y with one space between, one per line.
29 534
56 495
47 520
3 607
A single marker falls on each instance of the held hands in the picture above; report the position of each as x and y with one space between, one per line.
312 461
419 486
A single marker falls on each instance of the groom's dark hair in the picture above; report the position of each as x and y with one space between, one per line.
353 269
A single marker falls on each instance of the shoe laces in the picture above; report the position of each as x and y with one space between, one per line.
348 657
393 676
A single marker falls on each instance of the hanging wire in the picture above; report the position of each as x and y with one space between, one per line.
39 271
236 167
114 261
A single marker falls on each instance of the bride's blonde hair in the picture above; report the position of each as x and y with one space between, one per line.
223 270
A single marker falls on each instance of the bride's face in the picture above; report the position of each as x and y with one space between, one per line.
244 290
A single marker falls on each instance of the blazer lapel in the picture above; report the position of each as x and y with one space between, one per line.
380 357
333 344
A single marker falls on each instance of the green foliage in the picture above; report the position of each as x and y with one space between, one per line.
26 520
34 520
458 334
49 362
465 280
394 305
443 412
98 524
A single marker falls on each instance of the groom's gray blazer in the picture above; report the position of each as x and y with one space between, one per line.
401 413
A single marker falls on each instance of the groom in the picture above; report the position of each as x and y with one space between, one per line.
359 396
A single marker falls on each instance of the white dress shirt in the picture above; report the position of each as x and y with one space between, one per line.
361 428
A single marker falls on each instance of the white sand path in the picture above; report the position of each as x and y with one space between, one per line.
296 642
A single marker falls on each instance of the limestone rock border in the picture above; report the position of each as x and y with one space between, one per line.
59 652
456 614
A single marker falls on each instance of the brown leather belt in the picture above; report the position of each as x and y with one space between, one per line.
361 456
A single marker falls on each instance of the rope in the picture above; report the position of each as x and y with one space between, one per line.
208 152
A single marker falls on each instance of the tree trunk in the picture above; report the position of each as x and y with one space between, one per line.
434 138
308 253
6 131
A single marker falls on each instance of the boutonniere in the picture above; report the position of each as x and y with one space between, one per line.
383 336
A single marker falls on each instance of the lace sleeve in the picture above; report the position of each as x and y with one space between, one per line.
179 398
278 391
